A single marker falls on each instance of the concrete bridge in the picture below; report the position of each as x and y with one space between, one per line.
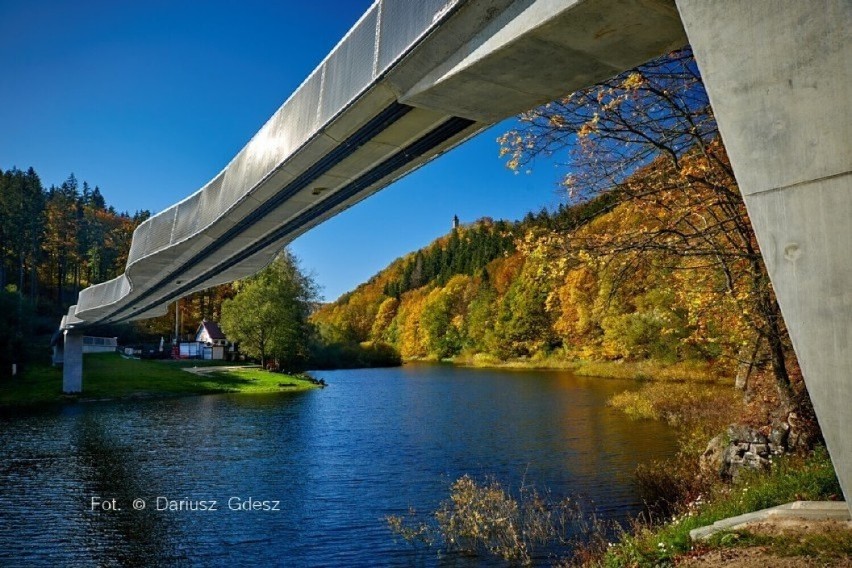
412 80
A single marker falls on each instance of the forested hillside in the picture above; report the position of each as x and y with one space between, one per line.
652 256
542 287
54 242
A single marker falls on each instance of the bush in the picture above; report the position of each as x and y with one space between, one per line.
485 519
668 486
682 371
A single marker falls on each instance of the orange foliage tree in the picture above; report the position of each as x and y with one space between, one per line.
649 138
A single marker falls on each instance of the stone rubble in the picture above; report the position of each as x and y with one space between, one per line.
743 447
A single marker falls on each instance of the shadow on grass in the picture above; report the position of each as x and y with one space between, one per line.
109 376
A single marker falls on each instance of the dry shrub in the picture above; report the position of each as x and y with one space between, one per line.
668 487
698 411
484 519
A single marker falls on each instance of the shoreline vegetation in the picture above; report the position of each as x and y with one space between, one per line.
644 370
680 494
532 524
109 376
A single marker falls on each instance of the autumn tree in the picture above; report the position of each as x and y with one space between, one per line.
480 314
648 137
523 325
443 315
384 317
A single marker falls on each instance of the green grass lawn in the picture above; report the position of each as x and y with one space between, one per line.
108 375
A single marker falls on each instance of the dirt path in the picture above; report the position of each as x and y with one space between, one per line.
829 542
215 368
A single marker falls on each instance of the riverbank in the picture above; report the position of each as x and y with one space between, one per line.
489 519
648 370
792 478
699 401
108 376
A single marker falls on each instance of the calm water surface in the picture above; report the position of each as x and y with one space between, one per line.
376 442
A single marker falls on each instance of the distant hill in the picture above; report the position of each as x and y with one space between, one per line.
538 288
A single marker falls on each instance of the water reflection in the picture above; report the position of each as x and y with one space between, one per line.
111 481
338 461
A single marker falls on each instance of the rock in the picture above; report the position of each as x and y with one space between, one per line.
712 460
738 448
746 434
733 459
733 451
774 450
779 433
761 450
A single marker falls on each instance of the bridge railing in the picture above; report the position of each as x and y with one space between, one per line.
383 35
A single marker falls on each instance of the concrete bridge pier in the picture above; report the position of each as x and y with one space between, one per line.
72 367
779 76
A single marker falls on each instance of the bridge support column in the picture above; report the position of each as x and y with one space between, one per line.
72 367
779 77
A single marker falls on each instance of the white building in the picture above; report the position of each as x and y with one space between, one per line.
212 340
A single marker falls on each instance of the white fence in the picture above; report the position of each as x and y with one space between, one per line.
99 344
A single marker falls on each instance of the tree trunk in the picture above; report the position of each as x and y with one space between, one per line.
776 352
33 282
21 274
747 359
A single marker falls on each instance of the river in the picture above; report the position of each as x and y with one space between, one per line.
322 468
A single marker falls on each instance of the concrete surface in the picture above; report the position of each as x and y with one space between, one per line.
72 366
801 510
779 76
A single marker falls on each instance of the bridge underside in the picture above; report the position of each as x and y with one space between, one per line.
412 80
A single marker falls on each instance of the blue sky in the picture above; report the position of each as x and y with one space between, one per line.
149 100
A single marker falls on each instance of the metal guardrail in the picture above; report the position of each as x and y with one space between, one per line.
383 35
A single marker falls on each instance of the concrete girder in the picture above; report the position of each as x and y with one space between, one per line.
779 77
